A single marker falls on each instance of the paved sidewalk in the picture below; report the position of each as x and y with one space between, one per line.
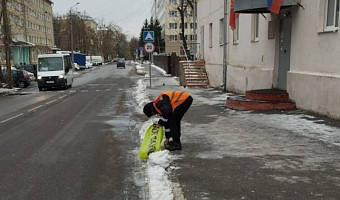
231 154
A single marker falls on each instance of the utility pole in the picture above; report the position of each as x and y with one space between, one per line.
72 32
225 12
7 39
45 30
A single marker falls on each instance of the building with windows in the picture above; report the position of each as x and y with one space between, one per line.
31 25
166 12
295 50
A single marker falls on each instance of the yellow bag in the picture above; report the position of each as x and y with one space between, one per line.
152 141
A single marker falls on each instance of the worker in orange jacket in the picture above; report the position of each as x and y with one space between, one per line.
171 106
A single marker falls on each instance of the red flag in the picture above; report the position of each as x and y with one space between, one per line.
275 6
233 16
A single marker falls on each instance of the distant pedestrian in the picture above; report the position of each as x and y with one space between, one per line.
171 106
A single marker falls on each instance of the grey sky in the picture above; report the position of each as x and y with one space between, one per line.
128 14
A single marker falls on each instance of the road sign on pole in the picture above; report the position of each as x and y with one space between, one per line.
148 36
149 47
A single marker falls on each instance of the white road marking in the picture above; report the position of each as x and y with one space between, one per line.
51 101
97 84
16 116
33 109
63 96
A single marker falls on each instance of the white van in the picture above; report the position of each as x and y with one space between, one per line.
95 60
54 70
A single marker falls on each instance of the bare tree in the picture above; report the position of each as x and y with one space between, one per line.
6 33
183 9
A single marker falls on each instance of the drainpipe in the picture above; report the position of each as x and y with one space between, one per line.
225 36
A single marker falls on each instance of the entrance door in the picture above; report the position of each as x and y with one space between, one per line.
284 52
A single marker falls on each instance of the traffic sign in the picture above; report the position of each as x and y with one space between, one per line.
149 47
148 36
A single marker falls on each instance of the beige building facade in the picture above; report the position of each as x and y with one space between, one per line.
31 23
296 50
169 17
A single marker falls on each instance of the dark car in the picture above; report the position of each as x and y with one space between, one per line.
20 78
29 68
121 63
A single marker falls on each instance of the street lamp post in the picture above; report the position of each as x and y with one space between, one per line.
45 29
72 32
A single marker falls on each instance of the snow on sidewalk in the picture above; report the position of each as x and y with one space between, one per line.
160 186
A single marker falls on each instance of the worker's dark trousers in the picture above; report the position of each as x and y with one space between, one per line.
174 122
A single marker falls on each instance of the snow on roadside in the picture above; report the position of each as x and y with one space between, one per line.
140 95
160 186
160 70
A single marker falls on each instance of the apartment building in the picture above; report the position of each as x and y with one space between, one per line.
295 50
166 11
31 23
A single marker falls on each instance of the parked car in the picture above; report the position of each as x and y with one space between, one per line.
30 68
20 78
31 75
88 65
121 63
78 67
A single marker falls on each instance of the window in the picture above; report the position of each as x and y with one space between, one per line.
331 15
202 43
193 25
193 37
181 37
236 31
172 25
173 13
173 37
221 31
185 25
172 1
210 35
255 28
50 64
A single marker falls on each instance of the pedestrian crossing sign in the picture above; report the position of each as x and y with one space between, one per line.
148 36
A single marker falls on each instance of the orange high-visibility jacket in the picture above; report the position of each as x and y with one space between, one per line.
176 98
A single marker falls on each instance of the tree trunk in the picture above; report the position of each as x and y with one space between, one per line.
6 43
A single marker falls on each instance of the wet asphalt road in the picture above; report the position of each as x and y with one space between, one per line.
64 144
81 144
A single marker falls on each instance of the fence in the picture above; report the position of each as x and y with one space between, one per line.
169 63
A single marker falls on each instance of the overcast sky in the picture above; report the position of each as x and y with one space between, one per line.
128 14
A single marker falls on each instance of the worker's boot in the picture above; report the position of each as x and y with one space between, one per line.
173 146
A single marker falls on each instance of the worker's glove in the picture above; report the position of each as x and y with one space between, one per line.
166 142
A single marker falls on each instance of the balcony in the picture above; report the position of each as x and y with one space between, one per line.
258 6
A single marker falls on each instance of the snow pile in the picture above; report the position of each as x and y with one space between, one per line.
134 62
140 95
140 69
159 185
160 70
160 158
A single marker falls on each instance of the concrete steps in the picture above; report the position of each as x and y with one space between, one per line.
195 74
266 99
